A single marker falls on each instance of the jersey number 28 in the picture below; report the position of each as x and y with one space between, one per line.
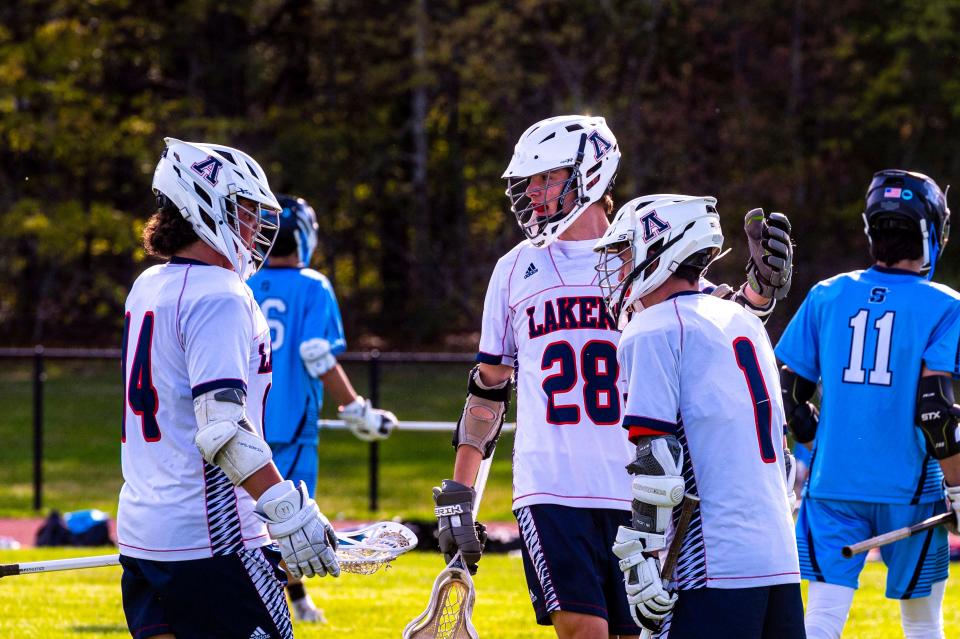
600 371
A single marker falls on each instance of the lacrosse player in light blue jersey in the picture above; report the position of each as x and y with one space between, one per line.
307 334
883 342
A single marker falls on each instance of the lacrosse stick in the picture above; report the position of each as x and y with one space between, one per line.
690 502
448 613
898 534
360 552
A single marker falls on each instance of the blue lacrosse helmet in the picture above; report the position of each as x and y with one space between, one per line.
909 200
298 229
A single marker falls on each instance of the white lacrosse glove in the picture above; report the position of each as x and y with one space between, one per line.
953 500
317 357
790 464
649 601
366 422
306 539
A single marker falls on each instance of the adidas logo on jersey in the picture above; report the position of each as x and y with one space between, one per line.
259 634
531 270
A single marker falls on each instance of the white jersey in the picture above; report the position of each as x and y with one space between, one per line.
544 313
190 328
703 368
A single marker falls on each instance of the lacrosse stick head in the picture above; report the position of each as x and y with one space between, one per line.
367 550
448 615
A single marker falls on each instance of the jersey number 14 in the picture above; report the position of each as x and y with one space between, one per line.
138 389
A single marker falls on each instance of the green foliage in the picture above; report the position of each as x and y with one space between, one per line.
395 121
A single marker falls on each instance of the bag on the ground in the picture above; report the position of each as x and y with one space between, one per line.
78 528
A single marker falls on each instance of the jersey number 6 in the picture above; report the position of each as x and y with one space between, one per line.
600 371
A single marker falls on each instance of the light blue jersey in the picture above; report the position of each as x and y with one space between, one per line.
299 304
865 336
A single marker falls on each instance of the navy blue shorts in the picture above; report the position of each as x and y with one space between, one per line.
570 566
233 596
766 612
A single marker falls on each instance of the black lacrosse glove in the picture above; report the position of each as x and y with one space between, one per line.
770 265
457 531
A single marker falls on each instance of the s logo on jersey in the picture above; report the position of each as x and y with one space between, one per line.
566 313
208 169
878 295
653 226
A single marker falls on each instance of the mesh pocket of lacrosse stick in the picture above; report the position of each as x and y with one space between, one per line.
451 607
367 550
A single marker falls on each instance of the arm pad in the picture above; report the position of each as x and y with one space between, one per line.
225 437
937 415
482 417
658 483
802 416
316 356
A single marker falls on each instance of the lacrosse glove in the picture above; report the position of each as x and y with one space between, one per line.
306 539
650 602
953 501
456 529
770 265
366 422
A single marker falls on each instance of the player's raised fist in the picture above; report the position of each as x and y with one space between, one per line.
770 266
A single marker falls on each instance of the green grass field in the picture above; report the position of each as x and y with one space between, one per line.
86 603
82 443
82 470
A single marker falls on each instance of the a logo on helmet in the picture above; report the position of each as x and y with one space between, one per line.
652 226
600 144
907 194
208 169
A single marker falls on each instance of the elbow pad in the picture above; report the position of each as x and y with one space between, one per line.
225 437
802 416
658 483
937 416
482 417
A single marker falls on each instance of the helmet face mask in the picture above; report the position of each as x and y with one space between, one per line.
225 196
908 200
650 237
560 167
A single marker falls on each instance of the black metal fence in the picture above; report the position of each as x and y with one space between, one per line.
373 359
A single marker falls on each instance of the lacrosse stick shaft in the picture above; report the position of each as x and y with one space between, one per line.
897 535
690 502
100 561
481 482
379 553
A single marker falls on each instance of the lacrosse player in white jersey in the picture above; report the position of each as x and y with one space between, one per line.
201 497
703 408
544 315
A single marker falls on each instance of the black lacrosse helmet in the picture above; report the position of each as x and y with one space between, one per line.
898 199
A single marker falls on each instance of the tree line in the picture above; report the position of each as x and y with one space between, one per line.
395 120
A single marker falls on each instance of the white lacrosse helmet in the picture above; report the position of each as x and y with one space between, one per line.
650 237
586 146
204 181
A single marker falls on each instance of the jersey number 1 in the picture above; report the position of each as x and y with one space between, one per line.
762 410
138 389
